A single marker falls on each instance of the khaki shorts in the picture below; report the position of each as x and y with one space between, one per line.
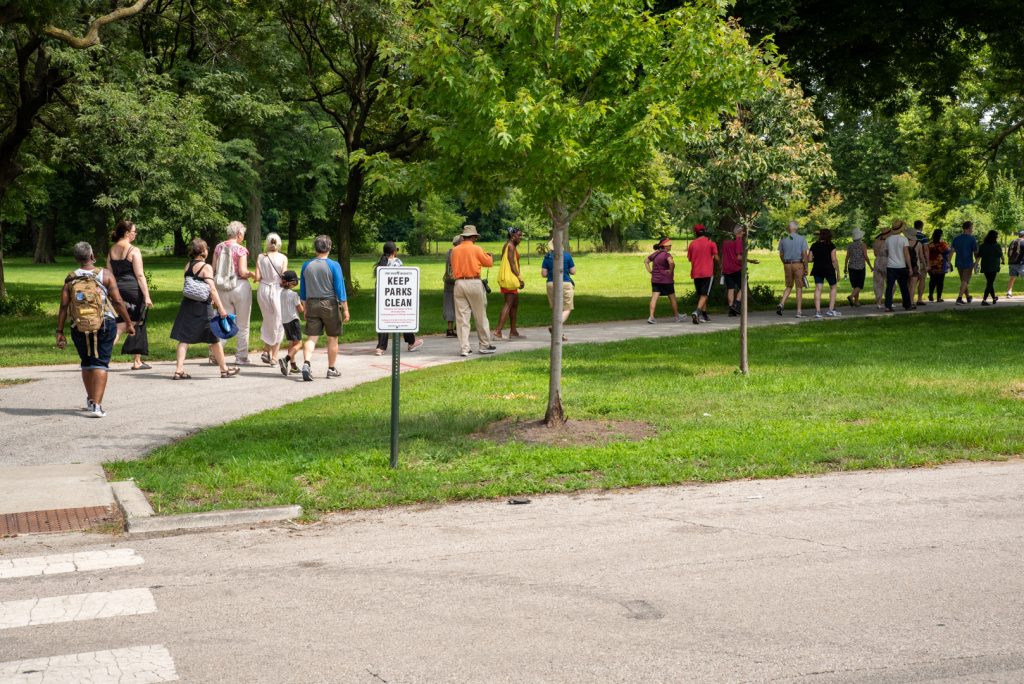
795 274
323 316
965 274
568 296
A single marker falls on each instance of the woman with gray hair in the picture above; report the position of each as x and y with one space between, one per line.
231 275
449 290
269 267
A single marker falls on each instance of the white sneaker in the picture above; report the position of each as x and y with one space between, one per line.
800 315
88 404
679 319
97 411
651 320
818 314
836 312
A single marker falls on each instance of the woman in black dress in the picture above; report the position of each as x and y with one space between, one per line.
125 262
192 325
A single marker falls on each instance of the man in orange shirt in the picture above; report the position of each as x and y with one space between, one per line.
470 297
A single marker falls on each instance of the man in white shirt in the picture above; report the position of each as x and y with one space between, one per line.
897 270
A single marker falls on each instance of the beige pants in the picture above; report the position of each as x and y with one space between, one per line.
470 298
878 281
238 301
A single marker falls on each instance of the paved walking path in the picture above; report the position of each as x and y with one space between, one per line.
43 421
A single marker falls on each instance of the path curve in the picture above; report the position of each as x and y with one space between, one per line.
43 423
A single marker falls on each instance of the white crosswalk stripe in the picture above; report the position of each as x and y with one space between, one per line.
68 562
137 665
92 606
131 665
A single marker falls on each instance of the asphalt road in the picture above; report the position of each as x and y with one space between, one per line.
891 576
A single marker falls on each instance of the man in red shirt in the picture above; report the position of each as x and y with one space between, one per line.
703 256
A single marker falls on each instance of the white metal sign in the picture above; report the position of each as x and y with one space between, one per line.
398 299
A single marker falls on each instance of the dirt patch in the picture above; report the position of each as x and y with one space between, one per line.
573 433
1015 391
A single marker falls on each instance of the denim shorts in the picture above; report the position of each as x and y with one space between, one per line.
96 349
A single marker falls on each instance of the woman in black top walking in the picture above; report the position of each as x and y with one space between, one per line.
825 266
125 262
990 258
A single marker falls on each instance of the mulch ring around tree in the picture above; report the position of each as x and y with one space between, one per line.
573 433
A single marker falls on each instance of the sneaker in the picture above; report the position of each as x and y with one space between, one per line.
970 299
307 373
451 333
1009 294
283 365
378 352
799 315
293 370
333 373
940 300
489 349
984 303
465 353
818 314
732 313
416 345
97 411
922 303
704 317
243 362
265 358
679 319
778 310
651 320
88 404
695 317
959 301
932 299
889 309
837 312
994 299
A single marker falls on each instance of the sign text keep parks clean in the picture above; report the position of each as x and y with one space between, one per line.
398 299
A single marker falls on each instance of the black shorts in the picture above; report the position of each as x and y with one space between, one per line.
663 289
702 286
293 331
733 281
857 277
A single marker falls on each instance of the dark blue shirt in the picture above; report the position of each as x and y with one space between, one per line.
965 246
549 265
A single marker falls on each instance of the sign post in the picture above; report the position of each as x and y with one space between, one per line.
398 311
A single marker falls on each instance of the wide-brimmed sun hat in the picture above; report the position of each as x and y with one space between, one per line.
224 328
469 231
857 233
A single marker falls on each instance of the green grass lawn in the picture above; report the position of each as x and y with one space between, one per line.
869 393
609 287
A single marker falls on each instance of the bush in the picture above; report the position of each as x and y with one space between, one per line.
20 305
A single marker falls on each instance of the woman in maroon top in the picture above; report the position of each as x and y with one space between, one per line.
662 268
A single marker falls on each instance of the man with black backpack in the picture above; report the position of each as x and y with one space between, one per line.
91 298
1015 258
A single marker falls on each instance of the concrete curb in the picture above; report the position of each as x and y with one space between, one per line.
130 499
210 519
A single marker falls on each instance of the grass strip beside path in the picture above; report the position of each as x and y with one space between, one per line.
871 393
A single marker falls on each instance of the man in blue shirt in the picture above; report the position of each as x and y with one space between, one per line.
322 291
965 246
547 270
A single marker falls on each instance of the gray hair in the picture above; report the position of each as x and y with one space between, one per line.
794 224
273 242
322 244
83 252
235 228
457 241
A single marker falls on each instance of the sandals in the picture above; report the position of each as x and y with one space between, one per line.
230 372
265 358
141 366
181 375
378 352
496 334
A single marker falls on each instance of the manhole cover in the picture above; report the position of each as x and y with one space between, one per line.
63 520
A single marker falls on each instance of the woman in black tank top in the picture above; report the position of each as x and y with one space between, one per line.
131 279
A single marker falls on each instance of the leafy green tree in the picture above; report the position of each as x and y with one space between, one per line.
352 68
1006 206
764 152
433 217
906 201
563 99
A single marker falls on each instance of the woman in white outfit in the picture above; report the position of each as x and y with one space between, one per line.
269 267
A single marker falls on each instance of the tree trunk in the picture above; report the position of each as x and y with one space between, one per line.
253 218
3 282
612 238
347 220
101 239
293 234
180 246
555 415
45 248
744 365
